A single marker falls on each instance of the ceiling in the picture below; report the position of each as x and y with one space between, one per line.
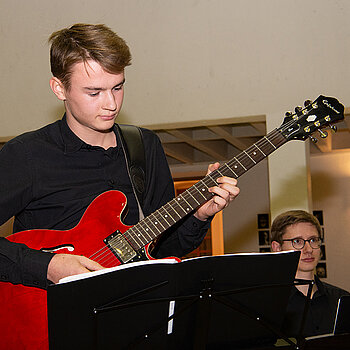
220 140
207 141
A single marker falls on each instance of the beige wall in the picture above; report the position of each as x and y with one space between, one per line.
192 59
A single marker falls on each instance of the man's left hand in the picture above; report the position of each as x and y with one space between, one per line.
224 194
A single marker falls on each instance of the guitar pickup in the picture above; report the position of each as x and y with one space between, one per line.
120 247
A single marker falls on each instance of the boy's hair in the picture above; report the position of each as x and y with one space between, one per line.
82 42
282 221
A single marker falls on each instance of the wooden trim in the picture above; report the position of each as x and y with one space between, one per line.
212 122
217 226
217 234
4 139
183 185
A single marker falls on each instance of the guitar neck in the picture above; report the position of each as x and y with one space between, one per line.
169 214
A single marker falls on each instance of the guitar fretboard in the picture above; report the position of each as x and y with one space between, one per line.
169 214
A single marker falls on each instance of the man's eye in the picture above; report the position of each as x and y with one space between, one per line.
118 88
297 241
94 94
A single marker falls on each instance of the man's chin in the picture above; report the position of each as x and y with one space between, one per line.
105 127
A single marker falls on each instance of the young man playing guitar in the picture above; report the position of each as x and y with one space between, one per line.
51 175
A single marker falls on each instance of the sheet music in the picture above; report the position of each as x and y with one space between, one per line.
147 262
115 268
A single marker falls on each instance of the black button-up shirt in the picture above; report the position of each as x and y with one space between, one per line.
49 177
321 313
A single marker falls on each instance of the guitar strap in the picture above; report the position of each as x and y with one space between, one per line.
134 151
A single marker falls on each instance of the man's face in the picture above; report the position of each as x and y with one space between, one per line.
94 98
309 257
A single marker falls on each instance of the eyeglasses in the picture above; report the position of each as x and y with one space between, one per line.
299 243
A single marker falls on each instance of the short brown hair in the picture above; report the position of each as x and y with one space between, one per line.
82 42
282 221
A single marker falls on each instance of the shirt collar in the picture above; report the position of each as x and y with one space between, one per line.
72 143
320 288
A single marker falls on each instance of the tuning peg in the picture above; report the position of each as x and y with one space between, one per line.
334 128
288 114
307 103
313 139
298 110
323 134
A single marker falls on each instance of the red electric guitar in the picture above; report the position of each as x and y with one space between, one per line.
101 235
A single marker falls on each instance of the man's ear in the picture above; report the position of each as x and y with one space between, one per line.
58 88
275 246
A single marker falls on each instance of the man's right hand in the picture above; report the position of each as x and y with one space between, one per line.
63 265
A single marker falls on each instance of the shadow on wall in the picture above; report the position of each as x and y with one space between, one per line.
323 186
56 112
244 238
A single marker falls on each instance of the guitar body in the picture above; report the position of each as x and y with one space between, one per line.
25 324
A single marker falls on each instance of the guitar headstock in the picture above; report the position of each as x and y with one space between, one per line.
316 115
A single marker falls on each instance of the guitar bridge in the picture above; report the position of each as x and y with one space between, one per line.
120 247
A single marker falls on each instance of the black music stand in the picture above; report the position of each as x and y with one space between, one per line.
225 301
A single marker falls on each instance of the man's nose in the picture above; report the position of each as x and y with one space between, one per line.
110 102
307 247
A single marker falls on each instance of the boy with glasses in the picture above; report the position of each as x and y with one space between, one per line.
299 230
